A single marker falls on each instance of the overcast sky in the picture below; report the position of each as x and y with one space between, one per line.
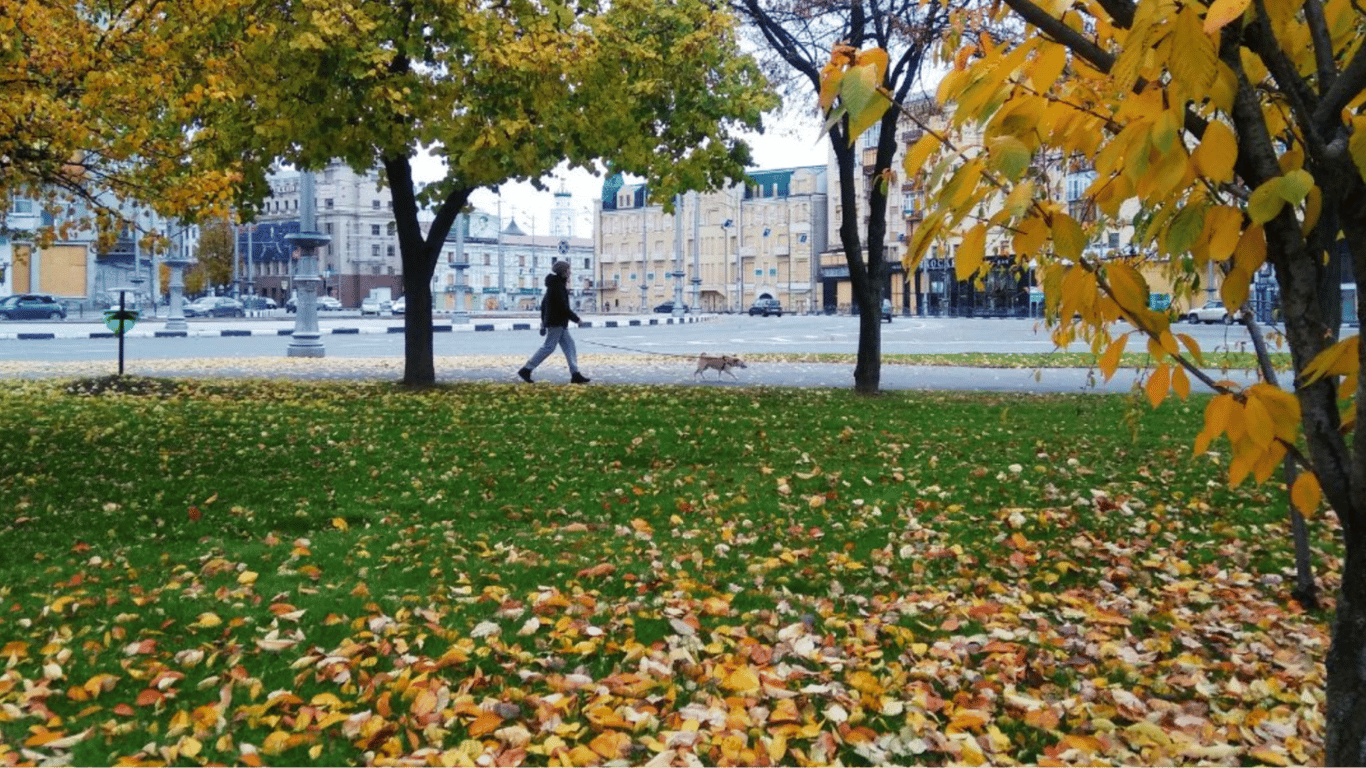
781 147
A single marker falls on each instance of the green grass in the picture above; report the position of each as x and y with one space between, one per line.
240 572
1220 359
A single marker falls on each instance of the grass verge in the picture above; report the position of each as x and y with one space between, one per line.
260 572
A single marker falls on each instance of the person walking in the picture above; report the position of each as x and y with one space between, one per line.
555 316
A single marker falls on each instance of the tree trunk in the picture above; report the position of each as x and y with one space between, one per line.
419 256
1345 731
419 364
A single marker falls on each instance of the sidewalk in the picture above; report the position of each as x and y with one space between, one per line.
283 325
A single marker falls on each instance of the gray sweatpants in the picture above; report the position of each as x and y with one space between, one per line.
556 336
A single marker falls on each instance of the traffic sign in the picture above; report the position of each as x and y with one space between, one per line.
120 321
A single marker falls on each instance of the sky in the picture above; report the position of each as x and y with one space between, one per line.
779 147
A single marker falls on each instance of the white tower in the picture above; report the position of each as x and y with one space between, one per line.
562 215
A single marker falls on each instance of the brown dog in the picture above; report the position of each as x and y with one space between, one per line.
720 363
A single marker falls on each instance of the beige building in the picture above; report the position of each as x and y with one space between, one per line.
718 251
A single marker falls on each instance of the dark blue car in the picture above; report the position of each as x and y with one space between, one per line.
31 306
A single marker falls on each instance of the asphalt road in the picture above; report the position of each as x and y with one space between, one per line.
642 349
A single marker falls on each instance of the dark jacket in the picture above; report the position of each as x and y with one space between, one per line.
555 309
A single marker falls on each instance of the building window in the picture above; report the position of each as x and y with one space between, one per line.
328 227
391 251
374 204
374 250
392 228
374 230
486 259
328 203
1114 239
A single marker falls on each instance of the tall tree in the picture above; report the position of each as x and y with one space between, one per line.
215 251
94 100
1238 129
502 91
801 34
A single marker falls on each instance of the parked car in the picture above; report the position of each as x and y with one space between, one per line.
375 306
668 308
1212 312
324 302
259 302
400 305
886 310
767 307
215 306
31 306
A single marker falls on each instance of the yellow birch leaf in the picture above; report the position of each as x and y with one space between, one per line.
1223 230
1193 347
1130 289
1221 12
1217 153
1068 238
1268 463
971 252
1109 362
742 679
1194 62
777 746
919 152
339 523
1235 288
1030 236
1339 359
859 93
1049 63
1266 201
1019 199
247 577
1009 156
1158 384
1260 428
1295 186
1181 383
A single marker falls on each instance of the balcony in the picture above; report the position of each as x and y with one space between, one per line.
605 285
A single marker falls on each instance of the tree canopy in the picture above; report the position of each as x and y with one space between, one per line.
1230 133
96 104
499 92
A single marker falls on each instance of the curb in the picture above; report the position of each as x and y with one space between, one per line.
508 325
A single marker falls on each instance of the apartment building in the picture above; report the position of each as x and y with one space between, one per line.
717 251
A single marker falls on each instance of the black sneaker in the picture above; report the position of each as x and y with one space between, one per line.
525 373
579 378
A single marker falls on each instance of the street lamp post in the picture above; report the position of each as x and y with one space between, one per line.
643 289
175 313
307 340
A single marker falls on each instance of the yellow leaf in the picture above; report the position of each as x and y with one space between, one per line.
207 620
1158 384
247 577
742 679
971 252
1130 289
1223 231
1030 236
1260 427
860 95
1339 359
1221 12
1109 362
777 747
339 523
1266 201
1234 289
424 703
485 724
919 152
1049 63
1295 186
1217 153
1181 383
1250 253
1068 238
1306 494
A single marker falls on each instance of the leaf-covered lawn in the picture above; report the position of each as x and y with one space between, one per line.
272 573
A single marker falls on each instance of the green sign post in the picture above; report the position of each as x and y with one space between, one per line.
120 321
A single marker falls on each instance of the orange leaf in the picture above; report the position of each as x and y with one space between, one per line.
1158 384
610 744
1306 494
486 723
148 697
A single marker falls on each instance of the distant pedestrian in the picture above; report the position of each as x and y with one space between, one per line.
555 316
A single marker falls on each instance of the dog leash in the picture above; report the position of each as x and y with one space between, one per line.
641 351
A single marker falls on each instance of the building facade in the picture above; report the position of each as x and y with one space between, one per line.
717 251
354 209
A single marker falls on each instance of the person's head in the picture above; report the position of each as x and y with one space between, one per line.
561 268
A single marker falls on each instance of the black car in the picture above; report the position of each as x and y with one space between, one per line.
668 308
31 306
767 307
